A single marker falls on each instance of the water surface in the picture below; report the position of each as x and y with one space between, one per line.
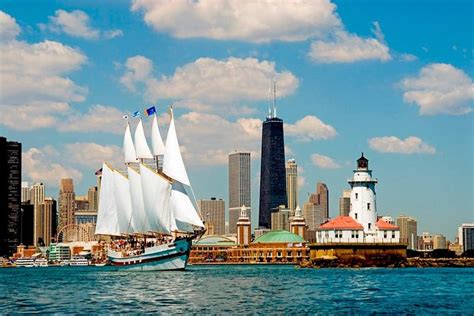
237 289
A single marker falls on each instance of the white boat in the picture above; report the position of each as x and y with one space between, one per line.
149 201
25 262
103 264
78 262
41 262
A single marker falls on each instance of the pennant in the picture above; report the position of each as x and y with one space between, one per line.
151 111
136 114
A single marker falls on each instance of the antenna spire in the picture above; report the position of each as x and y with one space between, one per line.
274 114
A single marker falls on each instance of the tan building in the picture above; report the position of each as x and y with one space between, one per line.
439 242
292 184
281 219
244 231
408 231
66 203
314 215
345 203
274 247
36 198
46 221
81 202
239 187
213 214
93 198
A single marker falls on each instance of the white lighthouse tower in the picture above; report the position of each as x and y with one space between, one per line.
363 205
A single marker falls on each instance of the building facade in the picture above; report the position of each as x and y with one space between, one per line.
66 201
93 198
466 237
10 195
239 187
37 199
272 169
281 218
408 231
345 203
46 222
292 184
213 215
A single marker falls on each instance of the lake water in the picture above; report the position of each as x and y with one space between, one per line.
237 289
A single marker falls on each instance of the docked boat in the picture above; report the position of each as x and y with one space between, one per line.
41 262
78 262
25 262
149 201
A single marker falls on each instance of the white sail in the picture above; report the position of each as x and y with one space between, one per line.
156 193
139 222
183 209
141 146
128 148
173 165
157 146
107 220
123 202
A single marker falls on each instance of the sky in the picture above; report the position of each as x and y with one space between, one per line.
392 79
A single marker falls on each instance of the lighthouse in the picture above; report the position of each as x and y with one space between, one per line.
363 207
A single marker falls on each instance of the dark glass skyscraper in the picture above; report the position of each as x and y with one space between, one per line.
272 171
10 195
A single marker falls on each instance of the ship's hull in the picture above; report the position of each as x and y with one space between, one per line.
171 256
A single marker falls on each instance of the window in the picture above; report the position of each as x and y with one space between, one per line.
356 215
357 196
393 234
368 206
370 225
385 234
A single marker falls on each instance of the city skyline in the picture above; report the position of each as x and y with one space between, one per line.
115 66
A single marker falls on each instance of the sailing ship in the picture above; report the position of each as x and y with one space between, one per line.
149 205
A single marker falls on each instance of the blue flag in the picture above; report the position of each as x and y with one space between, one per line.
136 114
151 111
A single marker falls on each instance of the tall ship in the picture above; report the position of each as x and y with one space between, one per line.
146 208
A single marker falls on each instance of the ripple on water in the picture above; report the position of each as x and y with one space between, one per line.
236 289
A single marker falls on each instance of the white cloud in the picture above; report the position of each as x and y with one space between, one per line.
34 89
348 48
8 27
98 118
138 69
408 57
301 178
197 133
45 165
32 115
440 89
210 80
253 21
93 155
310 128
409 145
324 162
77 24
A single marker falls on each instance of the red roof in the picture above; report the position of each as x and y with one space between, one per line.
383 225
342 222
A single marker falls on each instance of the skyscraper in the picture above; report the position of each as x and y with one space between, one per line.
37 199
66 203
323 197
25 192
408 231
46 222
239 187
213 214
292 184
10 195
93 198
345 203
272 168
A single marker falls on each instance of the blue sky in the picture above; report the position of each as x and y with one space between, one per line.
390 78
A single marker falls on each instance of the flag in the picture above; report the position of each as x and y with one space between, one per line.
151 111
136 114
